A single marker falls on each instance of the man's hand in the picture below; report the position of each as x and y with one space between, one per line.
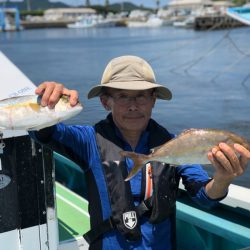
228 163
52 91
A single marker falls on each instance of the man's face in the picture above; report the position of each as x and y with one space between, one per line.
131 109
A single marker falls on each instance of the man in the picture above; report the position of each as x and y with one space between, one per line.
139 214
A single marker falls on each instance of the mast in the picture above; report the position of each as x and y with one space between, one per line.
28 5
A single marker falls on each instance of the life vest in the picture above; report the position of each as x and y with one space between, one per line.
159 184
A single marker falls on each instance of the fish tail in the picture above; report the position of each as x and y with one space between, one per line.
138 159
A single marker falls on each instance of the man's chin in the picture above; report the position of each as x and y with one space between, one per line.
136 125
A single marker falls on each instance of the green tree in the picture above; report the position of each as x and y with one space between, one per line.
239 2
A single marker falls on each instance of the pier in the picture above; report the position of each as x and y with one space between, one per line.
216 22
44 24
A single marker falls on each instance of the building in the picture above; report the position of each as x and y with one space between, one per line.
200 7
188 4
68 14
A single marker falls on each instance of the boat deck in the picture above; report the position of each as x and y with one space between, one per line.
72 211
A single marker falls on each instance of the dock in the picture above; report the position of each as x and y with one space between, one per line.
216 22
44 24
201 23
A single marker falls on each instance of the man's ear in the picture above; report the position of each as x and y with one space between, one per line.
154 100
104 102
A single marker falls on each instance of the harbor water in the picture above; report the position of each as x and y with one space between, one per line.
208 71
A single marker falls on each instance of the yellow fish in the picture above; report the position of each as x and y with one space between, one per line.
26 113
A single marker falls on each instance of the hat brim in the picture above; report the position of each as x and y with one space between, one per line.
161 91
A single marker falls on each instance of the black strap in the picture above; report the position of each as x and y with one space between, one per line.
144 207
94 233
108 225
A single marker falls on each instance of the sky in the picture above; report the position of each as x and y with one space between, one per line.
146 3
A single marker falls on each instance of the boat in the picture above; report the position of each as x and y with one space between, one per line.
242 14
189 22
39 211
92 21
86 22
9 19
152 22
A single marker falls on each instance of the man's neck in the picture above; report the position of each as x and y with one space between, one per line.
132 137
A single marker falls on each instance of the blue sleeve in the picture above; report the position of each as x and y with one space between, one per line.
75 140
195 178
78 138
203 200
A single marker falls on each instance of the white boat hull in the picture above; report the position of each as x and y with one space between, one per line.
242 14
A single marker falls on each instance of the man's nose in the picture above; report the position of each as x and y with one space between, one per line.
132 104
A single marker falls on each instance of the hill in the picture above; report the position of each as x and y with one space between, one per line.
45 4
125 6
36 5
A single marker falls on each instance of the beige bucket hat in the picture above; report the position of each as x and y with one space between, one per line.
130 73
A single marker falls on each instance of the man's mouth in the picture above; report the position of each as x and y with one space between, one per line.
137 116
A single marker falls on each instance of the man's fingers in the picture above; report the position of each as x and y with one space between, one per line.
232 157
213 160
47 89
244 155
243 151
41 88
55 95
220 160
52 91
73 96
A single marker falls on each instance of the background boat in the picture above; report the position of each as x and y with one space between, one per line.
241 14
91 21
86 22
189 22
9 19
152 21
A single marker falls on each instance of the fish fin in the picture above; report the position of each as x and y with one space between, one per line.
34 106
187 131
138 159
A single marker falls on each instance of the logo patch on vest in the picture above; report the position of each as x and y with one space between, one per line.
130 219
